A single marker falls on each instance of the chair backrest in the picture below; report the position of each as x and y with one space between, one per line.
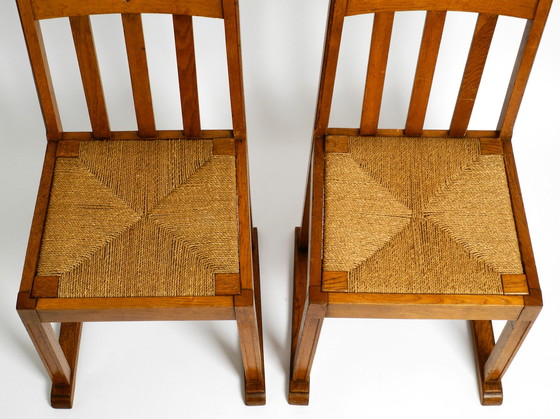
534 11
78 12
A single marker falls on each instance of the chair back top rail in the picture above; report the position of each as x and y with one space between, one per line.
516 8
534 11
31 11
48 9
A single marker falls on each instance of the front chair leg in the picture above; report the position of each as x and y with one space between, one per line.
59 356
308 312
304 354
494 359
251 347
69 339
305 338
483 337
249 323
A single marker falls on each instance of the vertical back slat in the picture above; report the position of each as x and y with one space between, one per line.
233 51
375 79
478 53
330 59
522 69
186 64
91 79
427 58
138 65
40 68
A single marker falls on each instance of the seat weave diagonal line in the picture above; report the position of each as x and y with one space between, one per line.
141 218
419 215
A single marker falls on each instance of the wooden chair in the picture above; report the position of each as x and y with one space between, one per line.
146 224
418 223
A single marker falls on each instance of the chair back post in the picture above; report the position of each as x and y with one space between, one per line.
40 69
522 68
330 58
233 51
534 11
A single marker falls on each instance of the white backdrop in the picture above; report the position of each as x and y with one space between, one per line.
363 368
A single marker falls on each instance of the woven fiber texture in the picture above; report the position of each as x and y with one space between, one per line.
419 215
141 219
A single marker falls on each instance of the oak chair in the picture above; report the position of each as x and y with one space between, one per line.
413 223
146 224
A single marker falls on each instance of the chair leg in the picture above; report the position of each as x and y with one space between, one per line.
249 323
483 338
59 356
494 359
251 348
308 312
69 340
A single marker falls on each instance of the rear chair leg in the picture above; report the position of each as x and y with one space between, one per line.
307 318
60 357
249 323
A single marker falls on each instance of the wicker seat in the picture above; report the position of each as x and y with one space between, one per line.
171 204
418 215
144 224
411 223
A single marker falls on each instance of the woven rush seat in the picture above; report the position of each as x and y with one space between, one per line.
418 215
141 218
